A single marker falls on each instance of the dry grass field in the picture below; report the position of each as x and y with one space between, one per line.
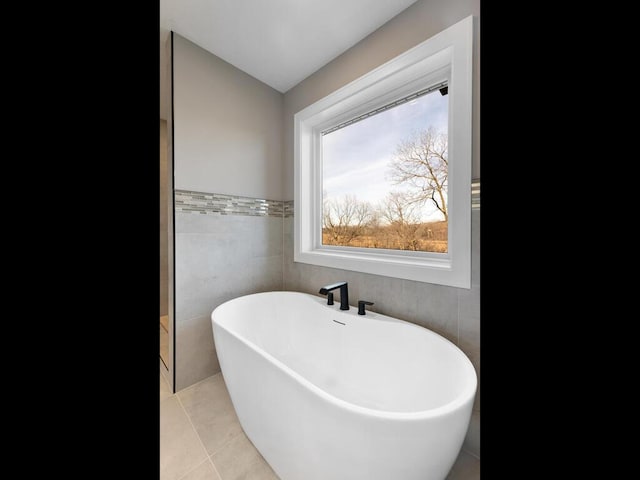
424 237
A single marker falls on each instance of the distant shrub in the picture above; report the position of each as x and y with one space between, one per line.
425 237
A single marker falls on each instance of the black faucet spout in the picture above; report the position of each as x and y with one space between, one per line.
344 293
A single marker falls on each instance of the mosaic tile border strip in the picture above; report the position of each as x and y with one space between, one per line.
288 209
220 204
475 194
188 201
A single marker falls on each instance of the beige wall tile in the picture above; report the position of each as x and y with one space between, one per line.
469 341
196 357
438 309
266 236
475 246
472 440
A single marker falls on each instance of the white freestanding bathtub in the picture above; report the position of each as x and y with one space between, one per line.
329 395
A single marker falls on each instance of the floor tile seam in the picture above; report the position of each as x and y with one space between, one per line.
193 468
195 430
198 383
471 453
225 444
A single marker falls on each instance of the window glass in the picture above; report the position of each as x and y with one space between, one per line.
384 177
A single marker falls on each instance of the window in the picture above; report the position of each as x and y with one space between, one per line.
384 176
383 168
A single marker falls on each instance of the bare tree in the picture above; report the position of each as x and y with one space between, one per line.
344 220
403 219
421 163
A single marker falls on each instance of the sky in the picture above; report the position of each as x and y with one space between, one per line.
356 158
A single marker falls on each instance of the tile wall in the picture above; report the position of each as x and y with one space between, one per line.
225 246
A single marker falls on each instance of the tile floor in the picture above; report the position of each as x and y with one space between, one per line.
201 438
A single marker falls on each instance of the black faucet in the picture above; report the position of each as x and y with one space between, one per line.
344 293
361 304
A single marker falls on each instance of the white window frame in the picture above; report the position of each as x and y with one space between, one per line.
446 56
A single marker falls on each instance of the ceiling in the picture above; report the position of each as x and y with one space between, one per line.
280 42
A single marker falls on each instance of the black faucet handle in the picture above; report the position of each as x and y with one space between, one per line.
330 298
344 294
361 304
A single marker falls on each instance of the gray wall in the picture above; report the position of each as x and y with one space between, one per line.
164 221
227 128
228 139
452 312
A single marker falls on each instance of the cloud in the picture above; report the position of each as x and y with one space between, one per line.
356 158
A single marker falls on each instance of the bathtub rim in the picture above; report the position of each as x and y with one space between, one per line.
467 396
